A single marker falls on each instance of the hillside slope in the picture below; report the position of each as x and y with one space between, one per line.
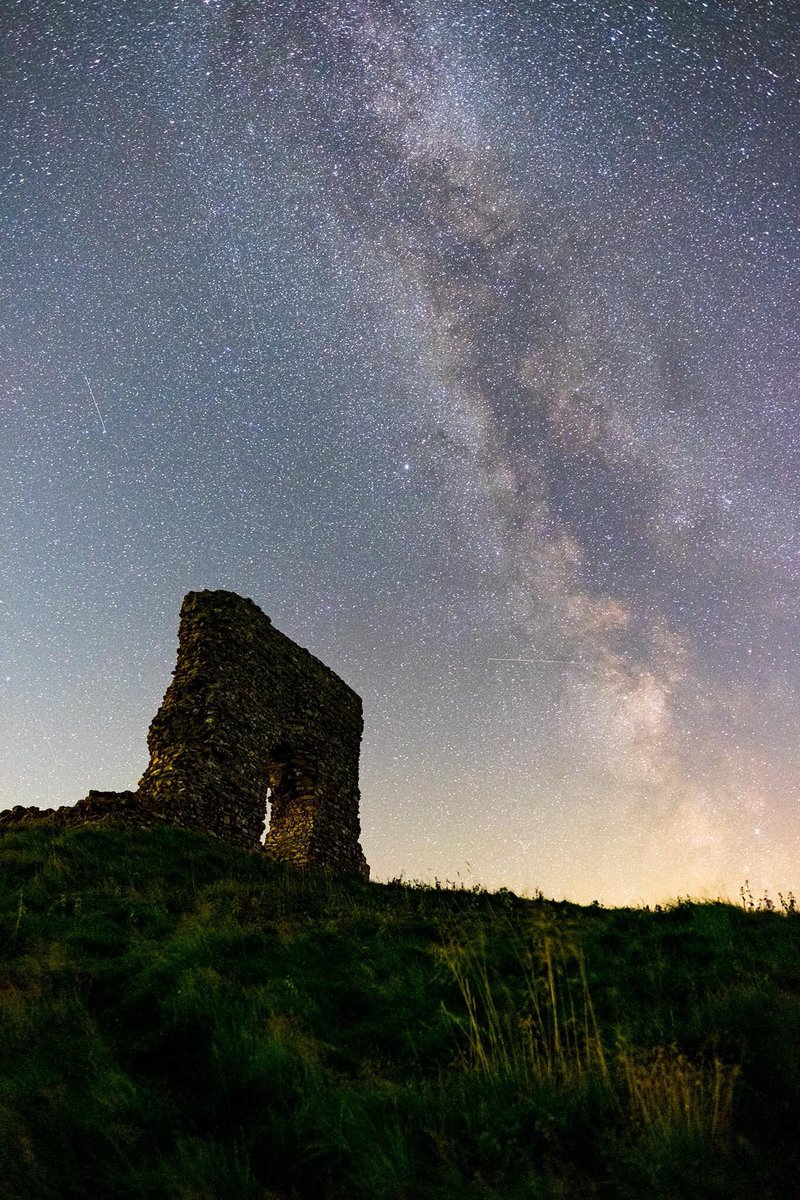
182 1020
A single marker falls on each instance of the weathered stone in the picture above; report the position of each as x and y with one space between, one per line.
92 810
248 710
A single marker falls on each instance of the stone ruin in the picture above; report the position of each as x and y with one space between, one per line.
250 718
247 711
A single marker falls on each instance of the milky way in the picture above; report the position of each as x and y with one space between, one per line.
463 338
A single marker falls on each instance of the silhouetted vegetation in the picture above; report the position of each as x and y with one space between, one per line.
182 1020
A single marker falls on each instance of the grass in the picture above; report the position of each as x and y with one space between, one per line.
669 1095
549 1032
182 1020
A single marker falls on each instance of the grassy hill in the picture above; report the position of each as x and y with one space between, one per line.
182 1020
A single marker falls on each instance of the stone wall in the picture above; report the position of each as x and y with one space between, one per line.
94 809
248 711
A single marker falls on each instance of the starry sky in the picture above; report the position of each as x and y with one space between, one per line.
463 338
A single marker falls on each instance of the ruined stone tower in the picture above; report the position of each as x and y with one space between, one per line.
251 717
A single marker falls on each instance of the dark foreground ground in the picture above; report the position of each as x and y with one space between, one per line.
180 1020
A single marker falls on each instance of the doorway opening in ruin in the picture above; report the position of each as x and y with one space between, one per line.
280 789
267 814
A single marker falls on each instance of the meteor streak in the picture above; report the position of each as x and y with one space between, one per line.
94 402
567 662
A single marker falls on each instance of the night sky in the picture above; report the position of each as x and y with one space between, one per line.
463 338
